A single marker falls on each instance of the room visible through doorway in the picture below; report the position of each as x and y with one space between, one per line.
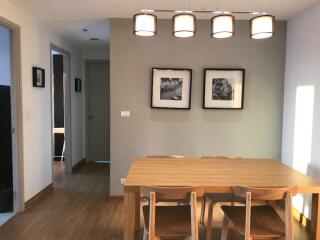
61 114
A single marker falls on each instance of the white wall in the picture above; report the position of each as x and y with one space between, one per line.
77 108
35 51
5 58
301 117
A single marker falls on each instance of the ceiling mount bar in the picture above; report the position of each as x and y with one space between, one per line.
202 11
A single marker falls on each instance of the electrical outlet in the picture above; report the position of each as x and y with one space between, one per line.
122 180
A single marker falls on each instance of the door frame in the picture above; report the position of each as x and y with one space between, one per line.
86 71
17 129
67 109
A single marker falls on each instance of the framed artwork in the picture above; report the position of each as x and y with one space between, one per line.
171 88
38 77
223 88
77 85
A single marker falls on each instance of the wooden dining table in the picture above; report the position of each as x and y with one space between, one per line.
214 175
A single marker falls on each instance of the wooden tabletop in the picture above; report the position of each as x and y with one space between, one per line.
215 175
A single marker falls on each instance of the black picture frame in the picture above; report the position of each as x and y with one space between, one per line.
187 93
38 77
205 104
77 85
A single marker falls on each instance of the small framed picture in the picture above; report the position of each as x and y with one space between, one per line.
223 88
77 85
171 88
38 77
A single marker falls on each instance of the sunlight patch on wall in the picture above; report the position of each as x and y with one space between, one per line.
302 144
303 128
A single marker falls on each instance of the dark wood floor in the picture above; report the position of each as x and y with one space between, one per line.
78 210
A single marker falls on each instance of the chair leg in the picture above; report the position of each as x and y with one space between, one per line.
203 209
145 235
225 229
210 220
63 149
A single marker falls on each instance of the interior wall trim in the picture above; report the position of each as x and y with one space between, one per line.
39 197
79 165
18 165
302 219
67 109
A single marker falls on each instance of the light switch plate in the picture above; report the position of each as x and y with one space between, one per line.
125 114
122 180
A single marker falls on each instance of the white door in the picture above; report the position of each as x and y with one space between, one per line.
97 89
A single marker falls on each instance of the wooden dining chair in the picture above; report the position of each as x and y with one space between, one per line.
213 198
178 221
259 222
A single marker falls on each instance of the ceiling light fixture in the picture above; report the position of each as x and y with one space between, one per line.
184 25
145 24
262 27
222 26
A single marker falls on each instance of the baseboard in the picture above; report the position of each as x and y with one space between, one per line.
119 197
79 165
39 197
302 219
280 205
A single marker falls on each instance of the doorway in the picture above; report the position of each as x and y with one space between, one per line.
97 111
11 178
61 114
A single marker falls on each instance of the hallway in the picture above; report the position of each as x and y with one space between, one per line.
76 210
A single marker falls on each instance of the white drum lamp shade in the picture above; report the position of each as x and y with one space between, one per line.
222 26
262 27
184 25
145 25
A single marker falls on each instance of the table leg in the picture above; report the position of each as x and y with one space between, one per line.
131 215
137 212
315 217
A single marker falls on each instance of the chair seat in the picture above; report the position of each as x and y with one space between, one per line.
265 222
171 221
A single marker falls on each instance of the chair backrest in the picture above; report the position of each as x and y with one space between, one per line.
282 193
271 194
170 193
165 156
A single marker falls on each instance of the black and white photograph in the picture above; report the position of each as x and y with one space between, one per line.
38 75
223 88
171 88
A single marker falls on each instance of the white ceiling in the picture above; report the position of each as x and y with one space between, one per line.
69 17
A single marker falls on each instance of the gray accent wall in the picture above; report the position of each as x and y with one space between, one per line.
254 131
